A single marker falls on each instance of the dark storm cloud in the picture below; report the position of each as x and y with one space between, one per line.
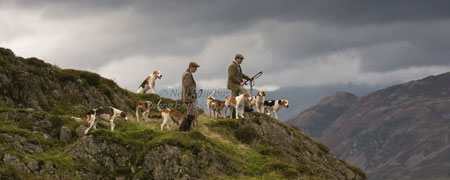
237 12
339 25
386 35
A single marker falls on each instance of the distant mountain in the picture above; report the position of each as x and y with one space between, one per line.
301 98
401 132
318 118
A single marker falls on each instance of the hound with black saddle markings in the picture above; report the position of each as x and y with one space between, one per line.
143 107
149 83
275 106
107 114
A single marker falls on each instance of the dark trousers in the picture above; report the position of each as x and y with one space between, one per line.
191 116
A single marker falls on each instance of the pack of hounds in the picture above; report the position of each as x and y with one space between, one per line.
216 108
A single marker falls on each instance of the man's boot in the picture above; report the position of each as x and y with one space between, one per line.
233 113
186 125
247 107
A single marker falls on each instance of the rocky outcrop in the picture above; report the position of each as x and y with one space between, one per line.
160 162
299 148
140 153
398 132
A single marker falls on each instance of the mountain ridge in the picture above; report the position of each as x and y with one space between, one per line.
398 132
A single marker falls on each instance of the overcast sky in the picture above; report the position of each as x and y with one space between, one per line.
295 43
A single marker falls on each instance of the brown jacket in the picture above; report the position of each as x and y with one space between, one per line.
235 76
188 87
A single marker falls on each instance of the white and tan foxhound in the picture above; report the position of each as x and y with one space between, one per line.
173 114
143 107
217 107
149 83
208 102
238 102
275 106
258 101
107 114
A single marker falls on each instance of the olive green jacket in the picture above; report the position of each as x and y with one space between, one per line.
188 88
235 76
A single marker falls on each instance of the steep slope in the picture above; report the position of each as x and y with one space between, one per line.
32 83
401 132
39 142
316 119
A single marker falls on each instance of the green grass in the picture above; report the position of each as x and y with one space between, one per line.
57 156
11 172
11 128
4 109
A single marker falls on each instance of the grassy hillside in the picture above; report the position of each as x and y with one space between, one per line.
39 140
32 83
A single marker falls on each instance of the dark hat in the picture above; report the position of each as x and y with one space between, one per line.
193 64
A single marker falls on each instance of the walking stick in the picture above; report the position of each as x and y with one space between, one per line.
252 82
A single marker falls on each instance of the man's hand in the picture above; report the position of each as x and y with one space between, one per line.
242 83
251 78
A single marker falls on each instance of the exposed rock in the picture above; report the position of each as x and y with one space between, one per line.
80 130
33 165
7 138
4 115
65 134
14 161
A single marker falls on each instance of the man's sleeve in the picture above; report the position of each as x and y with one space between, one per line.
232 74
187 84
245 76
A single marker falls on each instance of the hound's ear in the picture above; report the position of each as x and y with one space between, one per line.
155 72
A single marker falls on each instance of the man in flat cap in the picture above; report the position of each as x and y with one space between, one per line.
189 97
235 81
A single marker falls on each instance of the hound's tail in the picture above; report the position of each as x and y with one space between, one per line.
212 94
157 107
76 118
